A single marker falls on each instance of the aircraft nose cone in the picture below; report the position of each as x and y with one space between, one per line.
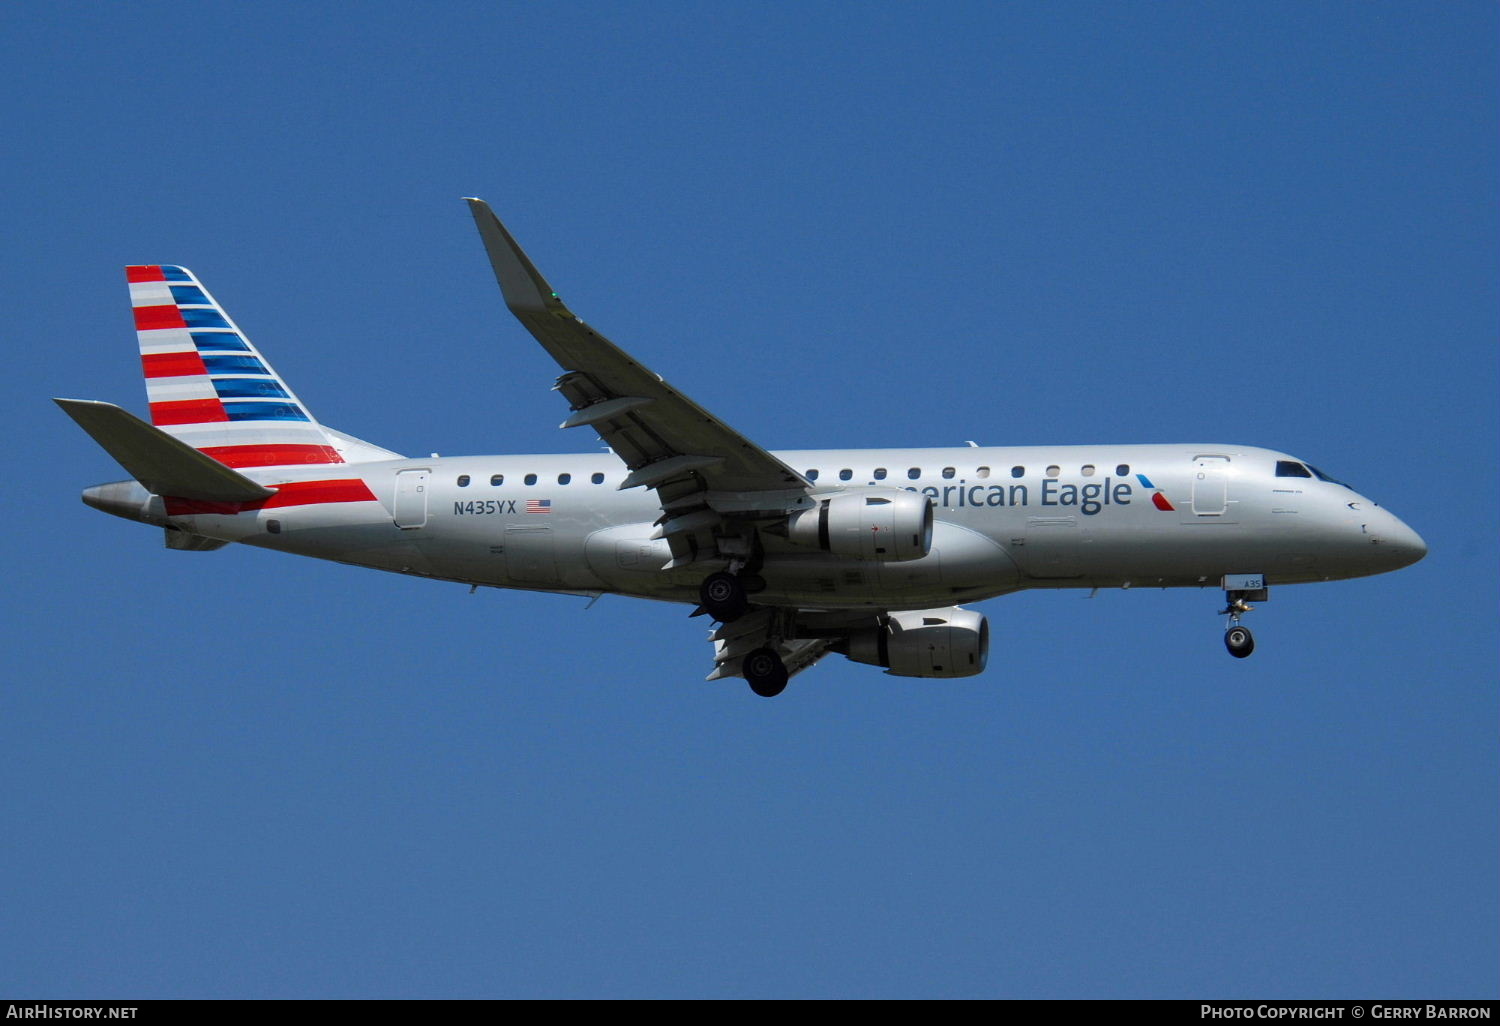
1403 545
1396 545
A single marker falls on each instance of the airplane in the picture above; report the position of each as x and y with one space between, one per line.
867 553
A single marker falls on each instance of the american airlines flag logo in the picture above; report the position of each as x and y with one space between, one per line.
1158 500
539 505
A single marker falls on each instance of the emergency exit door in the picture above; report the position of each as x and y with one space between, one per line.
1210 485
411 499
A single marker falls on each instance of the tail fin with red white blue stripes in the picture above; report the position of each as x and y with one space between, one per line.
210 387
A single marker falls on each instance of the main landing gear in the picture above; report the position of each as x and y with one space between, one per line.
722 596
765 671
725 596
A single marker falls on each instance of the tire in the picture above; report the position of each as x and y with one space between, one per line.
1239 641
765 671
723 596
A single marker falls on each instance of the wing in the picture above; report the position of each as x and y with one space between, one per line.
702 470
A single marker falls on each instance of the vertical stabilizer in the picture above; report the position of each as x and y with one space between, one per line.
208 386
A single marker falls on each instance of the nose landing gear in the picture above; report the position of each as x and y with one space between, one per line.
1239 641
1239 589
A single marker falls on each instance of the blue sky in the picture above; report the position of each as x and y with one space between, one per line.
244 774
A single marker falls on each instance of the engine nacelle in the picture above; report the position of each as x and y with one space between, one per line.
890 525
950 642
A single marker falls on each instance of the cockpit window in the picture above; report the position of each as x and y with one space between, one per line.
1324 477
1290 468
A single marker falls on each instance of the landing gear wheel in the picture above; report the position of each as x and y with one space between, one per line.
723 596
1239 641
765 671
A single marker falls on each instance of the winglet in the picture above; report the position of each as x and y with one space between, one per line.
163 464
522 285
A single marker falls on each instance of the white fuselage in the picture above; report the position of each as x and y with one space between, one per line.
1006 519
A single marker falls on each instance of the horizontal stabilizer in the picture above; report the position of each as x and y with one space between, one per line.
163 464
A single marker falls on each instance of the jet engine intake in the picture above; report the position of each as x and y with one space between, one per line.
889 525
949 642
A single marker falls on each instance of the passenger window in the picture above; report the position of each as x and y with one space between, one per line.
496 480
597 479
564 478
1087 470
531 479
879 473
1054 470
948 472
1017 471
982 472
1288 468
463 480
1123 470
845 474
811 475
914 473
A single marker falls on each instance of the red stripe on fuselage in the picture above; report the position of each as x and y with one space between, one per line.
149 318
144 272
295 493
172 365
188 411
302 493
272 455
1160 502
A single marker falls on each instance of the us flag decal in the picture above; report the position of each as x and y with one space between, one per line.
539 505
